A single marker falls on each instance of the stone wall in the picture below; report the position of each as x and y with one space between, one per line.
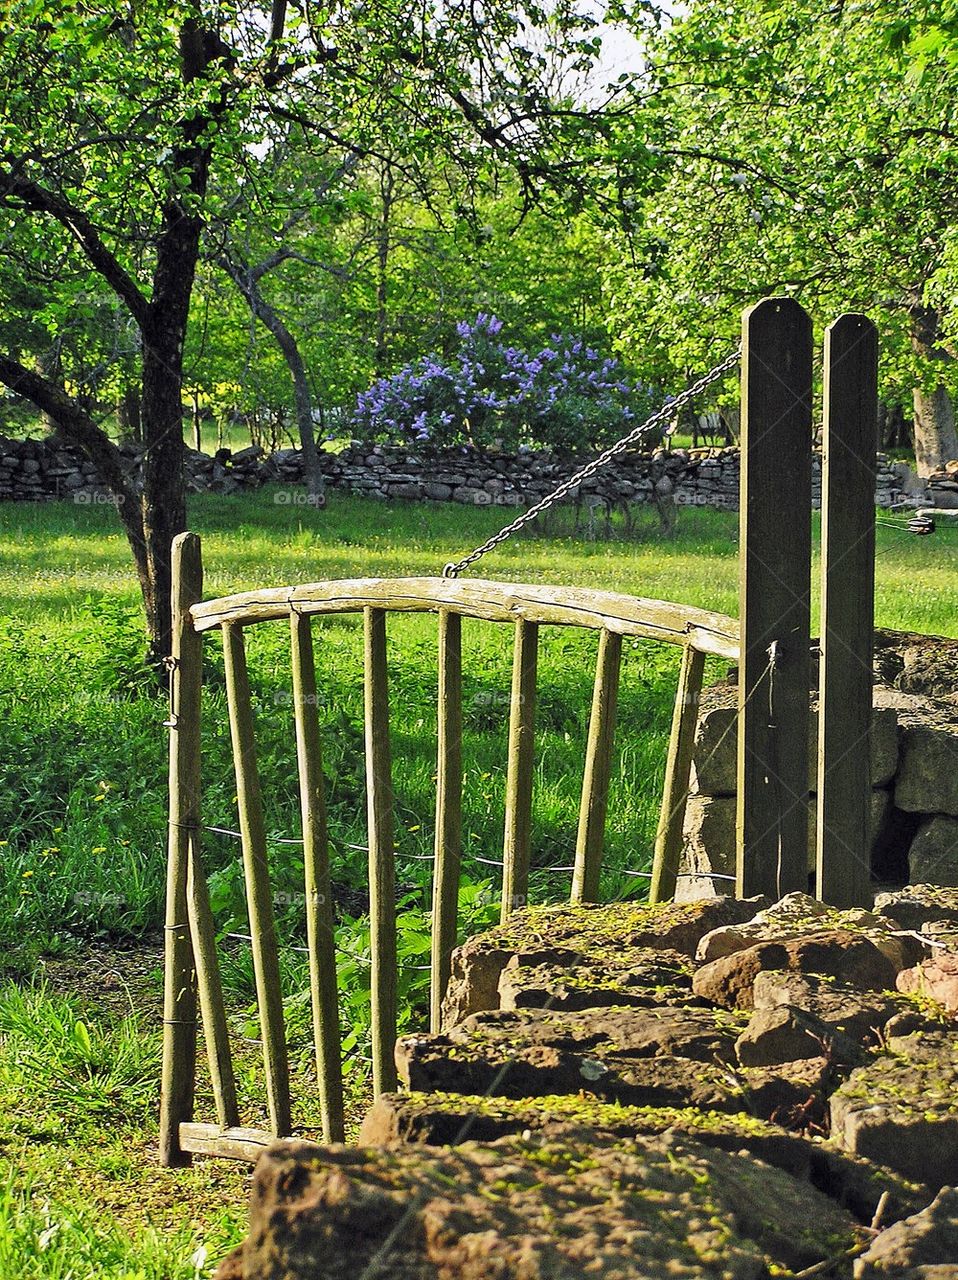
43 470
914 774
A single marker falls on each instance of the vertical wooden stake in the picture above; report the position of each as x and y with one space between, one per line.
448 847
382 855
319 907
774 599
517 843
598 769
215 1028
179 983
848 612
678 769
259 902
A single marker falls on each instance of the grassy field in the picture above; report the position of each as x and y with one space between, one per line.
82 818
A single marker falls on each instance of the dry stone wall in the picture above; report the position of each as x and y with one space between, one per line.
914 776
718 1090
45 470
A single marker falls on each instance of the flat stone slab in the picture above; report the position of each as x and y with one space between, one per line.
569 935
668 1057
729 980
934 979
845 1012
786 1034
918 904
901 1109
580 1205
798 914
933 854
451 1119
923 1246
927 779
645 977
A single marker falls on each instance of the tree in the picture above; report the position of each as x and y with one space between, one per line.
248 278
108 130
811 151
121 131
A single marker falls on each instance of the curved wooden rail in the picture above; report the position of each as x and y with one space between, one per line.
708 632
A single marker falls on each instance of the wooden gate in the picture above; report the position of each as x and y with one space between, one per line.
774 678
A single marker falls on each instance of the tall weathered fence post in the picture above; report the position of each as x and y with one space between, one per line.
848 611
324 995
517 841
678 771
448 837
179 988
774 599
382 853
259 896
597 775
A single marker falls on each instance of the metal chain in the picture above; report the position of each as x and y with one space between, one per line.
454 568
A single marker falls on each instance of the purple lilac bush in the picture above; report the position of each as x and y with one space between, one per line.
566 395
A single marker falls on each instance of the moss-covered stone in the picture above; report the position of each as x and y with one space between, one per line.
901 1109
641 976
563 1207
566 935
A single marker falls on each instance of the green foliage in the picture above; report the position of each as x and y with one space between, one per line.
382 181
91 1072
804 150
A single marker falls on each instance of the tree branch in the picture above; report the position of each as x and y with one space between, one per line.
40 200
74 423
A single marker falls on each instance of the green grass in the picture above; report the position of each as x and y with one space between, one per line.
81 1193
82 809
82 813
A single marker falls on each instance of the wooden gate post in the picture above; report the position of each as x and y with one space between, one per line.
843 871
678 772
382 853
774 599
179 985
448 837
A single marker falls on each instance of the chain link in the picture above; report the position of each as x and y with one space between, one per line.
454 568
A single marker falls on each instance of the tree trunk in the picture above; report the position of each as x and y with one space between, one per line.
936 441
383 248
163 501
128 416
248 284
